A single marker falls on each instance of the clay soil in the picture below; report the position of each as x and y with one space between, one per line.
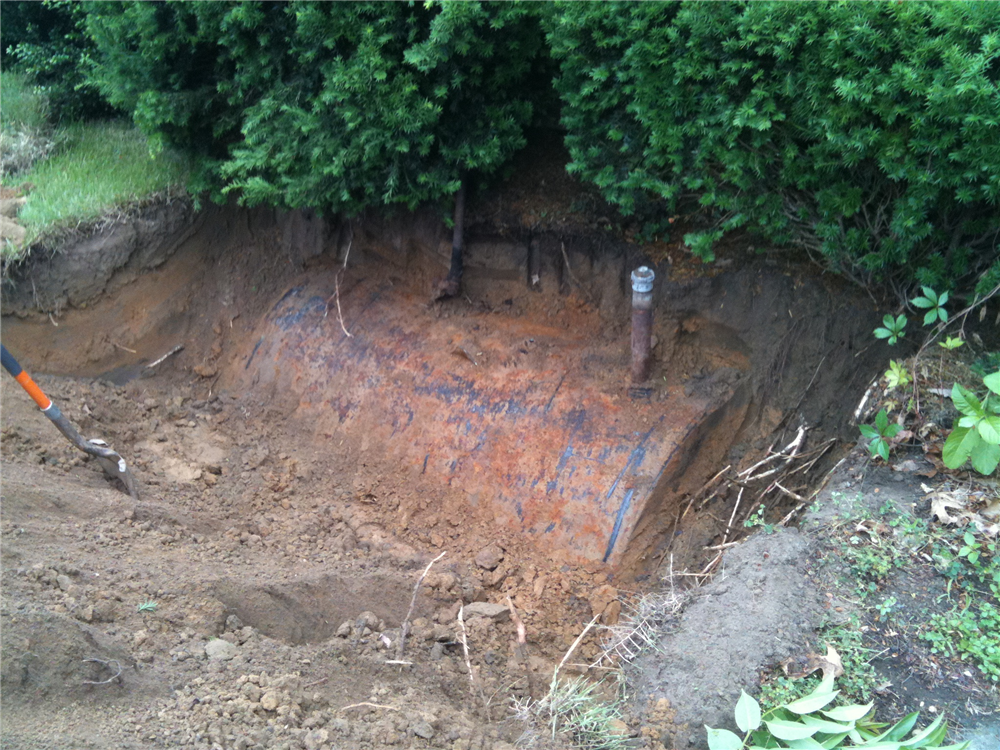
256 595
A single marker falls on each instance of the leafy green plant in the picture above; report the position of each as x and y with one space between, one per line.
815 125
969 634
757 519
808 724
951 343
891 328
147 606
897 375
968 631
934 304
879 435
976 437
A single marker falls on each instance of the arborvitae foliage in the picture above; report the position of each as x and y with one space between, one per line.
335 106
868 133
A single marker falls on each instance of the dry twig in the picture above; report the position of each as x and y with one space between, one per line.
107 664
336 289
370 705
405 630
465 650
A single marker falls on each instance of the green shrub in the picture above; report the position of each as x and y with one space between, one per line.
335 106
47 41
864 132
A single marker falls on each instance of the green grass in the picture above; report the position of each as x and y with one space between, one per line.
20 103
80 172
97 167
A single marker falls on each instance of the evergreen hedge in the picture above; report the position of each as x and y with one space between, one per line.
335 106
867 133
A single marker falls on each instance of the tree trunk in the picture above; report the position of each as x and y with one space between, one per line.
452 284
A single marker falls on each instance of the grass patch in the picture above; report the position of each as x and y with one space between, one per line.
23 105
79 173
98 167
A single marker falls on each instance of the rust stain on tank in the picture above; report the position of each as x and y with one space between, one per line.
534 422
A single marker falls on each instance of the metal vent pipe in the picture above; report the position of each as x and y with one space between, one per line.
642 322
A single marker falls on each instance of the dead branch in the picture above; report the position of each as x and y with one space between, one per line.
732 517
413 600
172 352
465 650
521 631
371 705
336 289
789 452
123 348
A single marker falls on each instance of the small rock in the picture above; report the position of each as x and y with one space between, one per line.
618 727
64 582
344 630
437 652
422 729
10 207
220 649
490 557
497 612
12 231
315 739
270 701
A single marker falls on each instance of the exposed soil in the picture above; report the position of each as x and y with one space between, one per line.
282 547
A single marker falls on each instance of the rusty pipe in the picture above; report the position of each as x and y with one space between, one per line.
642 322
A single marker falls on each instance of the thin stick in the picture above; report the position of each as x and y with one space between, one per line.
522 633
732 517
413 601
726 545
124 348
336 288
366 703
314 683
172 352
465 651
107 664
555 674
793 495
401 662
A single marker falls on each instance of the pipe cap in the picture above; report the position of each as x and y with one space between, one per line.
642 279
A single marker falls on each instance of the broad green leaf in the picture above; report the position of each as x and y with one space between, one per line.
747 713
989 429
892 430
901 728
848 713
812 703
882 745
883 449
930 316
868 431
806 743
942 299
958 447
966 402
789 730
827 727
926 736
993 382
881 421
722 739
833 741
922 302
985 458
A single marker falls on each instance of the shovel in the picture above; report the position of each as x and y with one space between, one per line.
113 464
